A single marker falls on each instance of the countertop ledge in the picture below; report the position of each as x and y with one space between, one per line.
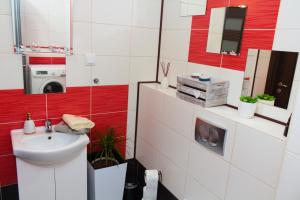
265 126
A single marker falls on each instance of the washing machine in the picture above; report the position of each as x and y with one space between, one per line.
47 79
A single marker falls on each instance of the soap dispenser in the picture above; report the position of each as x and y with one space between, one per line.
29 126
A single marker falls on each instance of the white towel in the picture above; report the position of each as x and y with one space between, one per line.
77 123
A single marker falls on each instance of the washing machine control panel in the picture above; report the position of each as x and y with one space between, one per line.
56 71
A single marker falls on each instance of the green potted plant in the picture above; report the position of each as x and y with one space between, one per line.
266 99
247 106
106 168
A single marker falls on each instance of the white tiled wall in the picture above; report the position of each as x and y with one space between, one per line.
258 154
249 168
122 33
290 177
287 39
243 186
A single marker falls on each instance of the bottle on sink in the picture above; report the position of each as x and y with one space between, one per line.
29 126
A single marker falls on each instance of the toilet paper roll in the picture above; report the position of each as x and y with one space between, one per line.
151 178
149 193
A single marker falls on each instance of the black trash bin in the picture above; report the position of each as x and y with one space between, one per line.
131 191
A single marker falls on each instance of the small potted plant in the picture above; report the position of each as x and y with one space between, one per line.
106 169
247 106
266 99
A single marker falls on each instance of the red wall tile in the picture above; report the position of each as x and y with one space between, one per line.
257 39
14 105
109 98
75 101
202 22
8 174
47 60
261 14
260 23
5 139
197 52
118 121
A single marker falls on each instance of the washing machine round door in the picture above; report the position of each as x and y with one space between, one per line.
53 87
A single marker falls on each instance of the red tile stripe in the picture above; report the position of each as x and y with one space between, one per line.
47 60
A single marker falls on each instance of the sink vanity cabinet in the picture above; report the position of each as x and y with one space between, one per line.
51 166
60 182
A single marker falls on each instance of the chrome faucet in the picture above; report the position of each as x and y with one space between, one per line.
48 126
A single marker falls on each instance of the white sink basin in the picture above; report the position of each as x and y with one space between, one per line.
47 148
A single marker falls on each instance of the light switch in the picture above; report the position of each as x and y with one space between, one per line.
90 59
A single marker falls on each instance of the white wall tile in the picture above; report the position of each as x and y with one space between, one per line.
175 44
293 95
146 13
208 169
110 40
5 8
173 145
294 130
178 115
132 96
112 12
82 10
297 72
144 42
245 187
172 16
288 188
111 70
158 135
143 69
151 102
173 177
130 134
81 37
78 74
147 155
6 32
288 13
258 154
11 75
195 191
287 40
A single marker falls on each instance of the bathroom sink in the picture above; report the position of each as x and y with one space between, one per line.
44 148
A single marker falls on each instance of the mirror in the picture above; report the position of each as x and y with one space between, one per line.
226 30
269 75
42 26
44 75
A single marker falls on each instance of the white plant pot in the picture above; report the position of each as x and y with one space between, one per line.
164 82
106 183
247 110
270 103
